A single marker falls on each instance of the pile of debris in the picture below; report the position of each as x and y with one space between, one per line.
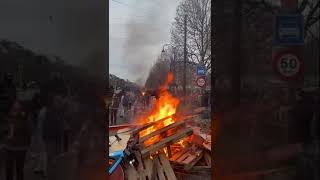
180 148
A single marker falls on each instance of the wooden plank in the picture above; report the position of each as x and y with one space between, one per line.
144 170
154 170
190 158
136 131
183 157
131 173
149 168
146 173
167 167
160 174
177 116
166 142
179 154
189 165
159 131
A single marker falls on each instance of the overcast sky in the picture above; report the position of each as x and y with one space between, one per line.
138 30
75 30
72 29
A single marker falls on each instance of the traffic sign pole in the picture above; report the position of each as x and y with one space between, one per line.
288 35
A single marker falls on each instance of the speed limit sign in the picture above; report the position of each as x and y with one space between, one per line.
287 64
201 81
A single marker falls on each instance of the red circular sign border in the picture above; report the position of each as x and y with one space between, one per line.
205 82
276 59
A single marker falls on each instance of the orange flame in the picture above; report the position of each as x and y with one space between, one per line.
165 106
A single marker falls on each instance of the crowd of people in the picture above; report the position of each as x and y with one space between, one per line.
121 106
126 103
38 119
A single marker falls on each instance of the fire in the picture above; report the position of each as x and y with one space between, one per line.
165 106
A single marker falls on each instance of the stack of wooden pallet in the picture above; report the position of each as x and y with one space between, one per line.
195 156
156 168
156 160
169 136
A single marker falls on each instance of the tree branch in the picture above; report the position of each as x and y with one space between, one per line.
310 16
303 6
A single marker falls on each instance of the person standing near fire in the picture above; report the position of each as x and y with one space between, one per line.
125 102
114 108
18 141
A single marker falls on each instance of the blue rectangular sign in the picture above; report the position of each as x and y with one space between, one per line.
201 70
289 30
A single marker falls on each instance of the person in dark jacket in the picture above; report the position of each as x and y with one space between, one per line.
7 95
19 139
53 127
114 108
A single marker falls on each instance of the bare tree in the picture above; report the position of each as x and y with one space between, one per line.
198 30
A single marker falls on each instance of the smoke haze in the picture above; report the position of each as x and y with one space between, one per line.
145 37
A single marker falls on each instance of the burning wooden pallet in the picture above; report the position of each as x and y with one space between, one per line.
169 135
157 168
187 157
153 162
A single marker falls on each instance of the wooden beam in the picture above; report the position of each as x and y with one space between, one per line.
185 115
179 154
160 170
166 141
180 122
155 169
159 131
167 167
136 131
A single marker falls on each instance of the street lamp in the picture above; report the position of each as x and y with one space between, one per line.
171 60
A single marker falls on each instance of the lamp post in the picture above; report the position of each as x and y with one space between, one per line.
174 48
172 60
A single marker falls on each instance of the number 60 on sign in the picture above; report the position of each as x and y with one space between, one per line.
287 64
